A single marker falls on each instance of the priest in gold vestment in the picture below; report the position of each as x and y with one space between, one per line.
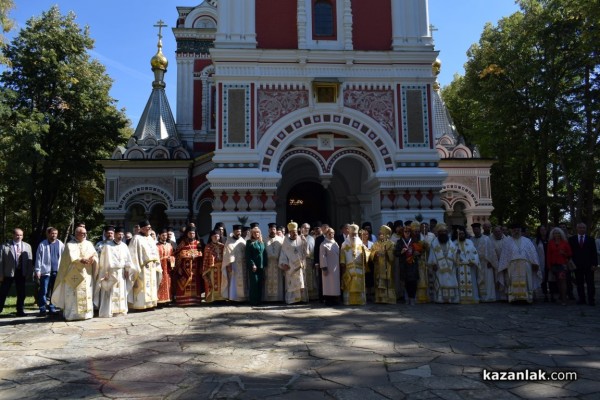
382 254
148 272
353 262
73 290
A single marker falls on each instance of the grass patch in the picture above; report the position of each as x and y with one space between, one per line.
10 306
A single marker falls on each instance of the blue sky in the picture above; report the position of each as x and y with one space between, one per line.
126 39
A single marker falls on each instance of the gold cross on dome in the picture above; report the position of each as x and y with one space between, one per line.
160 24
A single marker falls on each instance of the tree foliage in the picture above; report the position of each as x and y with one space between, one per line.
60 118
530 97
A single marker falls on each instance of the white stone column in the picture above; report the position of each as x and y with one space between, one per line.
302 21
410 24
237 26
185 93
348 44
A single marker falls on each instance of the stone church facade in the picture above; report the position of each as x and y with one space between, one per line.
298 109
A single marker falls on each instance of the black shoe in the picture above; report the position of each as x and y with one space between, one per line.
21 314
42 313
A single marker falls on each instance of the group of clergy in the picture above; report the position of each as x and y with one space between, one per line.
415 266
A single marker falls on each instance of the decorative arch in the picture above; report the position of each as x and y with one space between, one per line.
207 71
198 196
466 194
357 153
302 122
135 153
304 152
205 10
130 195
159 153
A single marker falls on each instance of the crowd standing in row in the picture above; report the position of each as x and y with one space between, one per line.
405 262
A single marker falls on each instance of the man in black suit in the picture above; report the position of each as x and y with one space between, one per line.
16 265
317 257
585 258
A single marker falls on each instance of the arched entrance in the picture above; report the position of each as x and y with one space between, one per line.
306 195
307 202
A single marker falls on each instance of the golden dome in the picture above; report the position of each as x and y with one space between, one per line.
159 61
436 67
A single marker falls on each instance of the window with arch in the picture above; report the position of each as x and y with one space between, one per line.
205 23
324 20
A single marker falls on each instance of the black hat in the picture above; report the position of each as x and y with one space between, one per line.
254 225
365 224
215 232
476 225
236 227
245 228
219 225
119 229
108 228
144 223
272 225
170 229
407 223
398 223
190 228
163 230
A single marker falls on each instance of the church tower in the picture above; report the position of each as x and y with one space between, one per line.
305 110
324 111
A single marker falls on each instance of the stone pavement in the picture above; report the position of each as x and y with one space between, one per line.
304 352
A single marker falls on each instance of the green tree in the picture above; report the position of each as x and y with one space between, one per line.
530 98
61 120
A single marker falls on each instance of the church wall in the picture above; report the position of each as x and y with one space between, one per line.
276 24
372 24
199 66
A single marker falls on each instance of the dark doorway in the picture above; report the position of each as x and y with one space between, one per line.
307 202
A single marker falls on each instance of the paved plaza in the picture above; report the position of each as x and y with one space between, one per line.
304 352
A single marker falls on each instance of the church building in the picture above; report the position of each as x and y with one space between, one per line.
304 110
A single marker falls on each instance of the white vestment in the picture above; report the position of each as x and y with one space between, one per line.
489 264
329 254
146 273
468 270
110 288
445 282
517 257
235 286
73 289
294 253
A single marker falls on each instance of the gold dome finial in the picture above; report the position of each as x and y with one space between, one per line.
159 61
436 67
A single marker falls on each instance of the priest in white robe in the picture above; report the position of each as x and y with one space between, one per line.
442 258
114 269
234 272
520 261
329 263
489 264
73 289
147 271
292 259
468 268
